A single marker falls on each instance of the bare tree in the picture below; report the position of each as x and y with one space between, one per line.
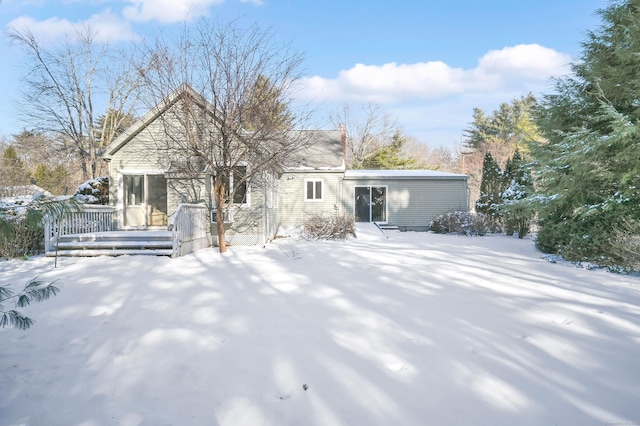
234 122
368 130
68 85
439 158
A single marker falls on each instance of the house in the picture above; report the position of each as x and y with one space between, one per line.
148 182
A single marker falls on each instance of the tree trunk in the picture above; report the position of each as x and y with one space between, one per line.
218 190
85 166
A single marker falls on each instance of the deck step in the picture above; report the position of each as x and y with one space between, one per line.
106 252
388 227
115 243
117 236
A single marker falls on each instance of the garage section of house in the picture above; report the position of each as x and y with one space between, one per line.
408 199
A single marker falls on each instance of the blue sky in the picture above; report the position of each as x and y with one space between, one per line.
425 63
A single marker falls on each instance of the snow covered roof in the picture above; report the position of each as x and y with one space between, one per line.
401 174
23 191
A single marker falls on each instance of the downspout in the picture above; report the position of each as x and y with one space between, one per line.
468 194
343 137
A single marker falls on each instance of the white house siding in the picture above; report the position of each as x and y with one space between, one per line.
413 203
147 153
141 155
294 209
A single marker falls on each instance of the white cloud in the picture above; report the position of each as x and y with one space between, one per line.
434 101
107 27
167 11
256 2
528 66
530 61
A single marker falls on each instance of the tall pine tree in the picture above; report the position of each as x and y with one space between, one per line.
491 189
390 156
588 167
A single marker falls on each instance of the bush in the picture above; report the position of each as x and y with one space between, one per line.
21 235
94 191
625 244
463 223
517 216
329 227
21 223
584 239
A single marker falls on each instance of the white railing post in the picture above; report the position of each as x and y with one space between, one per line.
190 229
47 233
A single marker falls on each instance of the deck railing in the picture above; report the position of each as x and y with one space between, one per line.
92 218
191 229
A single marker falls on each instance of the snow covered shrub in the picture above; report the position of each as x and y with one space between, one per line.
516 211
329 227
464 223
33 291
94 191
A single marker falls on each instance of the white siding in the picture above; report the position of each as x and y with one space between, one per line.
414 202
294 209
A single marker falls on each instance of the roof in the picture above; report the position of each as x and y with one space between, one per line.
323 151
24 191
402 174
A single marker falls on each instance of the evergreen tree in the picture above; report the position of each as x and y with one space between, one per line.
589 169
517 211
491 189
390 156
33 291
511 125
12 172
264 107
54 180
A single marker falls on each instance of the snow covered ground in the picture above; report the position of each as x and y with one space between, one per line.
416 329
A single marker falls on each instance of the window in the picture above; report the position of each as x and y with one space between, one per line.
238 181
133 185
313 190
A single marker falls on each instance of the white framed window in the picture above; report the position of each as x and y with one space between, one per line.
236 180
313 190
239 184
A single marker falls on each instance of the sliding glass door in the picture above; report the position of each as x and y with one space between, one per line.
371 203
